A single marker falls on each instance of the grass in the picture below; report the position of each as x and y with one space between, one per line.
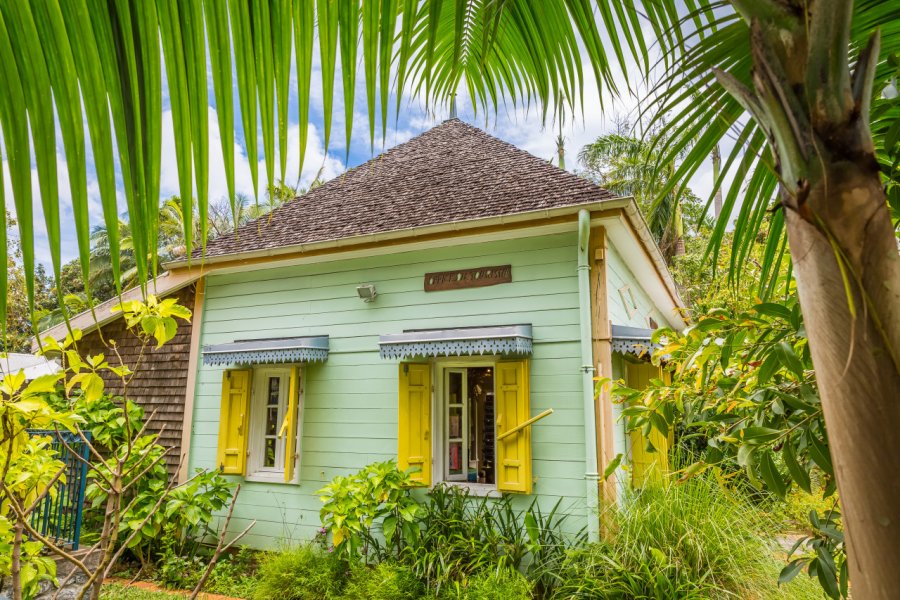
693 540
115 591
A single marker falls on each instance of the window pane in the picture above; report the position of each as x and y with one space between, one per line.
455 422
271 420
269 460
274 386
455 388
454 460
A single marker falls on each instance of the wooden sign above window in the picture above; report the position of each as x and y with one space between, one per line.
467 278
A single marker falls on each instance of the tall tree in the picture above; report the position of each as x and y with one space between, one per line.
631 166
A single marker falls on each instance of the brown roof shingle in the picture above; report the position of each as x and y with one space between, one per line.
453 172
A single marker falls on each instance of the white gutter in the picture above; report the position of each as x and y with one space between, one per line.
591 476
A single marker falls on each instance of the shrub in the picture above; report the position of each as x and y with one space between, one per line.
357 507
300 573
461 535
494 584
386 581
235 574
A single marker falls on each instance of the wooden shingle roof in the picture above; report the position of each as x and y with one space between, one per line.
453 172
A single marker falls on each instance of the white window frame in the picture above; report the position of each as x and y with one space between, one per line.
257 422
440 368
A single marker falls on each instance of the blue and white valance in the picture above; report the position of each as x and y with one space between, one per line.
633 340
265 351
465 341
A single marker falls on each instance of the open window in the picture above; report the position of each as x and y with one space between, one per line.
477 409
469 411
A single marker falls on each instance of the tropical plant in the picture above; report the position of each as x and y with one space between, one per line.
775 74
743 397
357 507
301 573
460 536
631 166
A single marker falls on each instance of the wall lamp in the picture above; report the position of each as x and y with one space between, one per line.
367 292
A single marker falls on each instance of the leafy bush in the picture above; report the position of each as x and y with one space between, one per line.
494 584
461 535
301 573
235 574
694 540
188 508
385 581
376 498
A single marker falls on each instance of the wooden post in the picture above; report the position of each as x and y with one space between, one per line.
602 347
187 421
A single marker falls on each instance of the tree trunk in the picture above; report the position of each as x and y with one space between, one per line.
855 356
15 565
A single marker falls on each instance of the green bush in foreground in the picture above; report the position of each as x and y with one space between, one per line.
500 583
301 573
385 581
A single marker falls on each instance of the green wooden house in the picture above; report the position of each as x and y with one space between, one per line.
427 306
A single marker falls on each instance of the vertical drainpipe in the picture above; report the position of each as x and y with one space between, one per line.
591 476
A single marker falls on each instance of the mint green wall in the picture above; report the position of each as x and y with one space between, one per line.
350 402
619 275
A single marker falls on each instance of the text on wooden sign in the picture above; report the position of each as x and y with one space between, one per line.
468 278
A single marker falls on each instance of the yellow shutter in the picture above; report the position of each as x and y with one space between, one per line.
233 421
646 466
513 408
289 428
414 437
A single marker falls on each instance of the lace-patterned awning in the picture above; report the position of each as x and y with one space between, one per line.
265 351
633 340
467 341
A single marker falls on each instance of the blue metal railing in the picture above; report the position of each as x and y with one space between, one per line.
58 517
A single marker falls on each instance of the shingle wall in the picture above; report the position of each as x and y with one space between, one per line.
160 378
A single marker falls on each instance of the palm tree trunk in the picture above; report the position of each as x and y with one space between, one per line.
815 112
717 169
855 359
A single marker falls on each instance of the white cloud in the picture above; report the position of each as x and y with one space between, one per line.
243 182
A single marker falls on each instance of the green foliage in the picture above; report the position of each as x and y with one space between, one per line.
499 583
175 570
461 535
36 567
155 317
115 591
631 166
301 573
233 574
104 418
743 397
384 581
694 540
186 511
377 498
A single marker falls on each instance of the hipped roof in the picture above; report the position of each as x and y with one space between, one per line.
452 172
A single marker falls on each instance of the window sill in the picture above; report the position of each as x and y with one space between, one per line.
269 478
479 490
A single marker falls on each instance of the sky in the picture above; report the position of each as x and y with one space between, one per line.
522 127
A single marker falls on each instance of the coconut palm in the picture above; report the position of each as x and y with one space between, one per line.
795 84
630 166
103 273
